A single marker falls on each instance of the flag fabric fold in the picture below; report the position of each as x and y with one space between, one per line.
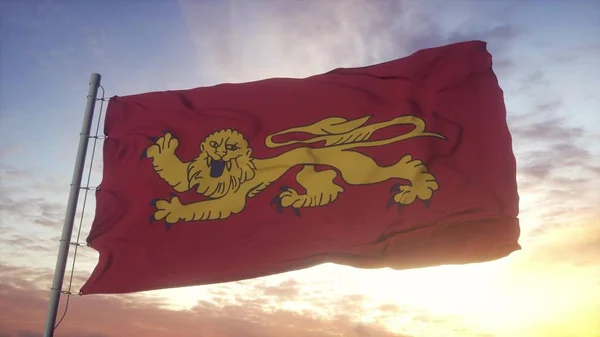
402 164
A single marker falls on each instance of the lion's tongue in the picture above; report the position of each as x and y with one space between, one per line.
216 168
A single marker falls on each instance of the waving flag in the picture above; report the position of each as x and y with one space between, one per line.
403 164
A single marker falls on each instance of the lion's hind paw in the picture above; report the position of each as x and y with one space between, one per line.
277 201
286 198
404 195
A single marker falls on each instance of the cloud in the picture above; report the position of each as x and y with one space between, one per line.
36 198
552 152
10 173
580 52
319 36
32 211
287 308
286 290
23 305
499 37
29 243
575 241
558 187
37 211
532 83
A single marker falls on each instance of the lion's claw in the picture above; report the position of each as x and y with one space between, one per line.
153 218
164 145
277 201
390 203
144 153
404 195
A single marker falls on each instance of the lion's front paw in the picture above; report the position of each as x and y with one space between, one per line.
422 188
165 145
169 211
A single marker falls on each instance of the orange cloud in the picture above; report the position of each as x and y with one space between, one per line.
24 308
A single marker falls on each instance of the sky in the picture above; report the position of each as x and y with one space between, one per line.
547 59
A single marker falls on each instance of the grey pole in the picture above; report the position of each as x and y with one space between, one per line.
65 240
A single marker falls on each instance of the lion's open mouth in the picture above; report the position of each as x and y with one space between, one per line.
217 167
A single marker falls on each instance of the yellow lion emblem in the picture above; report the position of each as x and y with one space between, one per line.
228 175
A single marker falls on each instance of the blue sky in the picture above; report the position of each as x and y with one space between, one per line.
547 59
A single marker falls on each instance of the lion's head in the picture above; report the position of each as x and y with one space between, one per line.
224 164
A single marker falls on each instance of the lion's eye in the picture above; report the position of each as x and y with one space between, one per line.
213 144
231 147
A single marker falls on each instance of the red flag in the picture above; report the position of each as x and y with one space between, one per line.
403 164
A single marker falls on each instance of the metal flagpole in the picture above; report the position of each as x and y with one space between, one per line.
65 240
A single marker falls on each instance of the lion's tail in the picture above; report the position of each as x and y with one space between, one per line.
348 134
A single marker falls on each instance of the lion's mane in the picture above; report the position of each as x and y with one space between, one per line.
240 169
